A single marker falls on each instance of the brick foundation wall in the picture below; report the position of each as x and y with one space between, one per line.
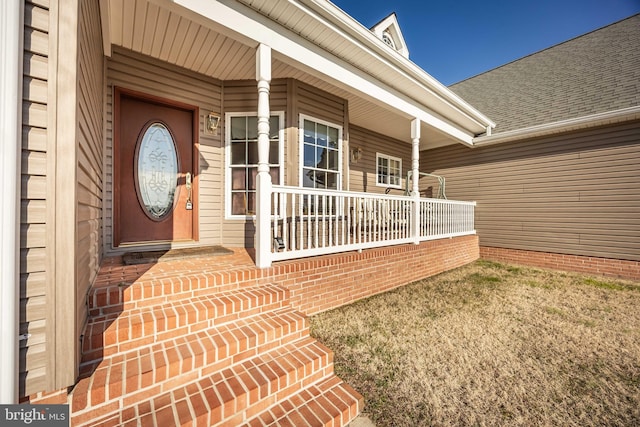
324 283
581 264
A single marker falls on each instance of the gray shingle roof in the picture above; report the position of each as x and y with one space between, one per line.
593 73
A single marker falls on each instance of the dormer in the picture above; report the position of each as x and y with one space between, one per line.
389 32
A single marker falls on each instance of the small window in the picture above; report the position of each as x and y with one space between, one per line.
242 160
389 171
321 154
386 37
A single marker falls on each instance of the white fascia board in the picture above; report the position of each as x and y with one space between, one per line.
356 29
578 123
233 16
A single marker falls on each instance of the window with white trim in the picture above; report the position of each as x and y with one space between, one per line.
320 154
241 148
389 171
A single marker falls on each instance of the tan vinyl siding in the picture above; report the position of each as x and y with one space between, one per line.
90 155
130 70
362 175
321 105
33 228
576 193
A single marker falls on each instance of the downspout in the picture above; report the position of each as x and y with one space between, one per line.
11 38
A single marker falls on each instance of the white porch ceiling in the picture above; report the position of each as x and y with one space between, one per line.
151 28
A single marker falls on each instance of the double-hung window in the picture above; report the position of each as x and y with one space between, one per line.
320 154
242 160
389 171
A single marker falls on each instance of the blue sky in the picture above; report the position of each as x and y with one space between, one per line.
454 40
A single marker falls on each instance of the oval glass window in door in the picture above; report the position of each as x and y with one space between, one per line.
157 171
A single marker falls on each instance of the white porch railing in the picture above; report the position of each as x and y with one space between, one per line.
440 219
307 222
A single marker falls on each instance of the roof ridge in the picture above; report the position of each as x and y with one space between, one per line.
382 20
545 49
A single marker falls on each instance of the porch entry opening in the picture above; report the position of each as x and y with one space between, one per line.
155 185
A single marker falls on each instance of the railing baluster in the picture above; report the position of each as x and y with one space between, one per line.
336 224
301 227
310 222
372 224
275 205
330 221
346 220
293 222
316 222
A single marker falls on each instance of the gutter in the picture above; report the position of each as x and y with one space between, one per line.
11 44
584 122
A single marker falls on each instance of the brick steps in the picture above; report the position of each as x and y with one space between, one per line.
176 361
229 354
112 333
229 396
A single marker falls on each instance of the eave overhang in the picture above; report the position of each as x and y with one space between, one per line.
397 84
335 17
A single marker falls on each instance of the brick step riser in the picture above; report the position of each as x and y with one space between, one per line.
116 298
178 373
129 330
243 390
99 345
329 402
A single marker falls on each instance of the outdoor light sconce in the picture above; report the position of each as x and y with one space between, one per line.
278 243
211 122
356 154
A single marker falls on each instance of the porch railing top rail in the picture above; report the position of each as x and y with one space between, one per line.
327 192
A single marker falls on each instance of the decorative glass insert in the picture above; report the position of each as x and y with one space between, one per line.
320 155
386 37
243 160
157 171
389 171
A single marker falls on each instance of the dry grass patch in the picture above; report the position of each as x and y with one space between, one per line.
492 344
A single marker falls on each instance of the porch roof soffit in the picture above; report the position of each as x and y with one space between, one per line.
398 84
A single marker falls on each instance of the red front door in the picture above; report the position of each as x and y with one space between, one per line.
154 181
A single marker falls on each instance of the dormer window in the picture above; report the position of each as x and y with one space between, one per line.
386 37
389 32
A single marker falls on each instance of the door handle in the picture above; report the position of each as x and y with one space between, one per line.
187 179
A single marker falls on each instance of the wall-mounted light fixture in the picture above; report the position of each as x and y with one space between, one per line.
211 122
356 154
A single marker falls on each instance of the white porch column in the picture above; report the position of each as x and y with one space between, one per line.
415 175
263 180
11 30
